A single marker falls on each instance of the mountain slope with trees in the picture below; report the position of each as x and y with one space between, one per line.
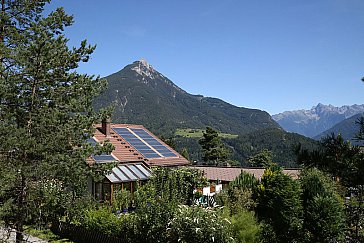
142 95
348 128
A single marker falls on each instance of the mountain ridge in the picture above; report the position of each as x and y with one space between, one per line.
318 119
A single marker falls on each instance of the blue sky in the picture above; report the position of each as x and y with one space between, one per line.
270 55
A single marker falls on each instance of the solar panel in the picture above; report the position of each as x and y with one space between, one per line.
145 143
102 157
91 141
152 155
151 141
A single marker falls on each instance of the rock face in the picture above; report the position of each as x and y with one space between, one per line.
142 95
313 122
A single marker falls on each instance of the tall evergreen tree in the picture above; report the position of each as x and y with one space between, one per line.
337 157
262 159
213 149
45 111
279 207
324 218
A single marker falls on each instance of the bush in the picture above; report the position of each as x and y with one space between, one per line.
245 227
195 224
102 220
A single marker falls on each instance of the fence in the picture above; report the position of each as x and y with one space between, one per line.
80 234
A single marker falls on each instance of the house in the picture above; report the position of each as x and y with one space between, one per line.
224 175
136 151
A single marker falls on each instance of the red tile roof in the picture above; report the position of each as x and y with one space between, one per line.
230 173
125 152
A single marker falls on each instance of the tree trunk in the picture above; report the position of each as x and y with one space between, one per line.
19 226
2 27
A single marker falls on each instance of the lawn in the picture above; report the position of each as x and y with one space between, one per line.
197 133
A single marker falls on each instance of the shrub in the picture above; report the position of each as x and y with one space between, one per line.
195 224
102 220
245 227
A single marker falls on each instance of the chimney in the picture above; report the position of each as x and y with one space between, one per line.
106 126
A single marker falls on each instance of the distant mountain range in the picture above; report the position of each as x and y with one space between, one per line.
313 122
347 128
142 95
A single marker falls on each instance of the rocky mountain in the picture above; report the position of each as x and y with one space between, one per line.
347 128
313 122
142 95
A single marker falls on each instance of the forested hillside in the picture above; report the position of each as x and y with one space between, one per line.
142 95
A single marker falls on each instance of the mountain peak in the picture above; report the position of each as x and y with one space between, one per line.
145 63
143 68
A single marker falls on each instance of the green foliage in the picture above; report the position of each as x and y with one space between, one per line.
148 223
152 220
279 207
337 157
245 227
238 203
177 185
280 143
213 149
244 181
359 136
45 114
324 219
169 141
355 214
103 220
195 224
240 193
240 200
45 234
185 154
262 159
121 199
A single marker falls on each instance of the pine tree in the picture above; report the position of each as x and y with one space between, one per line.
279 207
324 218
45 112
213 149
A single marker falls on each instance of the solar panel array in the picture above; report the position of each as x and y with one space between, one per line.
102 157
144 143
